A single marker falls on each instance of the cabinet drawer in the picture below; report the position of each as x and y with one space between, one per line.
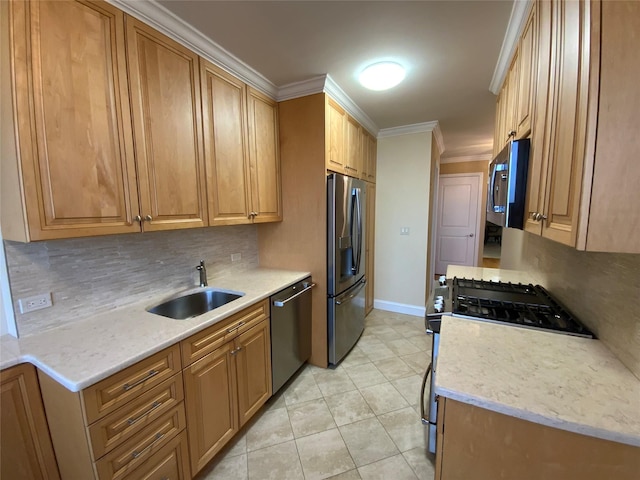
208 340
121 461
111 393
171 462
115 428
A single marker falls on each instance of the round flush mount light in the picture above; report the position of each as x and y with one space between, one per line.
382 75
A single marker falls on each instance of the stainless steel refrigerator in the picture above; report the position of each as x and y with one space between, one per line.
346 200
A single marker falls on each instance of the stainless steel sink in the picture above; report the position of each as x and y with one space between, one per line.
196 303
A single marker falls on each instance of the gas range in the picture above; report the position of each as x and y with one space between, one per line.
517 304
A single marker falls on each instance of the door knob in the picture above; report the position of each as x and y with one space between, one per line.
471 234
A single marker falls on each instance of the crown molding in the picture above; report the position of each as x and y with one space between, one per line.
302 88
408 129
468 158
516 24
333 89
169 24
437 134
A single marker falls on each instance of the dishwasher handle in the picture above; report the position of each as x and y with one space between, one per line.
281 303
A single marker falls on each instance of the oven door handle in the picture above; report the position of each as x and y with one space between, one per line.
425 419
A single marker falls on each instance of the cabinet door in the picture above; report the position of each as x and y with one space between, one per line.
352 164
570 62
210 401
253 364
335 136
224 102
165 105
526 74
72 112
370 246
372 156
170 462
264 158
25 449
541 127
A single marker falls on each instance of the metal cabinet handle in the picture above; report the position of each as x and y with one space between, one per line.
229 330
148 218
137 218
154 405
424 419
281 303
233 352
152 373
136 454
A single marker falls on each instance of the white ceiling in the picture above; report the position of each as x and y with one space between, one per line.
450 48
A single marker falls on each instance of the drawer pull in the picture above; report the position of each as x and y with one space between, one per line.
233 352
152 373
229 330
154 405
159 436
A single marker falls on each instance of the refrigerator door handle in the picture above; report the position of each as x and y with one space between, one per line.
358 225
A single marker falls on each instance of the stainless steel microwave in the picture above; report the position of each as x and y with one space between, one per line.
508 185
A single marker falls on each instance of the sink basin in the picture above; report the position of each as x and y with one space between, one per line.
195 303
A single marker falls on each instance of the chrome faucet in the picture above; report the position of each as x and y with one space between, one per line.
203 273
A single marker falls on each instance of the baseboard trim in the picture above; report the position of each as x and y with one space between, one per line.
395 307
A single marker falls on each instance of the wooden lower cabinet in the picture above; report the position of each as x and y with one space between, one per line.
124 426
253 367
171 462
26 452
224 389
477 443
211 405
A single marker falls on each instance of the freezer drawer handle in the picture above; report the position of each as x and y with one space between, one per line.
281 303
343 299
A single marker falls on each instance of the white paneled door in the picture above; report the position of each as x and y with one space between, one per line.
458 220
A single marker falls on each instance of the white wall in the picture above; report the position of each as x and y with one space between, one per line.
402 200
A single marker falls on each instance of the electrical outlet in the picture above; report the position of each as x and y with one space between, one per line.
235 257
404 231
36 302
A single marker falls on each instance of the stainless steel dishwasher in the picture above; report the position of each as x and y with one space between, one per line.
290 331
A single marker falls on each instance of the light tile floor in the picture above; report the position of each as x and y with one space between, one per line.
358 421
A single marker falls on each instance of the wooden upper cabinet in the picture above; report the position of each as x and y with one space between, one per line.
568 107
264 158
224 107
72 119
165 105
527 57
354 147
336 119
26 452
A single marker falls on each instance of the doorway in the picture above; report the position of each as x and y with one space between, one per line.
458 220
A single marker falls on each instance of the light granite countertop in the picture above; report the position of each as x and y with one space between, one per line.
81 354
562 381
566 382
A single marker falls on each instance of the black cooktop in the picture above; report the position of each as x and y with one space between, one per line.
515 303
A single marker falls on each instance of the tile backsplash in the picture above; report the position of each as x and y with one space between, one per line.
601 289
92 275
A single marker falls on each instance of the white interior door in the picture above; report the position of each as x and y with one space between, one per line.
458 220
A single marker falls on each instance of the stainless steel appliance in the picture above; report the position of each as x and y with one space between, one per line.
508 185
290 331
520 305
346 200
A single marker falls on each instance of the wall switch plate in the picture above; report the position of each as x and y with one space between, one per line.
235 257
404 231
36 302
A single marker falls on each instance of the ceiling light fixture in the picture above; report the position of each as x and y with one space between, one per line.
382 75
